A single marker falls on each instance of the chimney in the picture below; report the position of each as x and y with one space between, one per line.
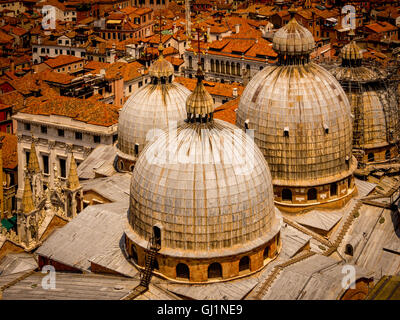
208 33
112 54
237 28
235 92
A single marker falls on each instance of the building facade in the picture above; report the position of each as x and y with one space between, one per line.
57 137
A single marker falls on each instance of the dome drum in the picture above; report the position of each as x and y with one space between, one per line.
124 162
212 207
330 196
378 155
177 265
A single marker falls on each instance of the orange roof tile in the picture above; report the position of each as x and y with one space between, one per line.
89 110
62 60
214 88
227 111
9 150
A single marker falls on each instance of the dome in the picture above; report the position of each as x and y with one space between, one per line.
206 189
351 51
293 40
151 107
208 204
161 67
376 120
357 74
302 121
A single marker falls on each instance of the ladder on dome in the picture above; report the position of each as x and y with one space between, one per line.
153 247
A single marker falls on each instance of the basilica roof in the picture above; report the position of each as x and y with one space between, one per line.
206 185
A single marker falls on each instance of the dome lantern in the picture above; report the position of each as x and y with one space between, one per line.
161 70
200 104
351 53
293 42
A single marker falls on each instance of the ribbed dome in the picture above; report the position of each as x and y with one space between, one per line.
153 106
351 51
302 121
357 74
161 67
200 101
293 39
373 103
214 192
374 108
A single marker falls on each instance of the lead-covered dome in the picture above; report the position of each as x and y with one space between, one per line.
205 189
150 108
302 123
376 118
203 195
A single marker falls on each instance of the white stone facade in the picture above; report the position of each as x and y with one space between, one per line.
54 150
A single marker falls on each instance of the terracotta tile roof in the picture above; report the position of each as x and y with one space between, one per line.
381 27
28 83
175 61
13 98
15 30
227 111
9 150
62 60
5 38
89 110
96 65
4 106
253 49
213 88
51 76
128 71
